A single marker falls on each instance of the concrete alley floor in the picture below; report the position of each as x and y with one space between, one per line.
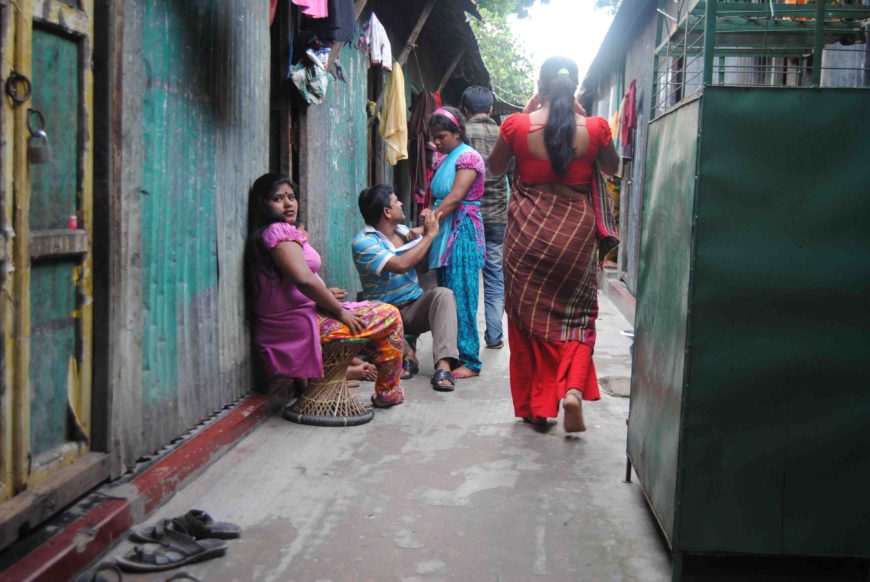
445 487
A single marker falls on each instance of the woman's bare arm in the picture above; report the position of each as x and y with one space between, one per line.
291 263
608 159
465 178
500 157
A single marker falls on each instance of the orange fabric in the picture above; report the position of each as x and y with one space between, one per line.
515 130
541 372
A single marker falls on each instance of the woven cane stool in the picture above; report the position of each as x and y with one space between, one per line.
329 401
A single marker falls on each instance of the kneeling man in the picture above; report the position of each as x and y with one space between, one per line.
385 253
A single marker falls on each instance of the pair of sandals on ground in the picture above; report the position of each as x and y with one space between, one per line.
186 539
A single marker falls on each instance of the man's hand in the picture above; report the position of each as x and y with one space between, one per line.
338 293
430 223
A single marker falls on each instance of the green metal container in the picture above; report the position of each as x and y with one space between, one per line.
750 412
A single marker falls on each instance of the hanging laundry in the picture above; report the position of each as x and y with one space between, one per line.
629 115
313 8
380 51
311 82
339 25
394 118
420 156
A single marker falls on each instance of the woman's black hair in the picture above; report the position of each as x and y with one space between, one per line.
372 202
258 259
557 84
440 122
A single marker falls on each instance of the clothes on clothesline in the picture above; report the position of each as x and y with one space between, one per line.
338 24
629 115
393 118
379 49
420 155
313 8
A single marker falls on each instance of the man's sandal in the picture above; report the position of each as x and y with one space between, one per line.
175 549
440 376
410 368
195 523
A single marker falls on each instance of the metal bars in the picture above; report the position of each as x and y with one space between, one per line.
758 43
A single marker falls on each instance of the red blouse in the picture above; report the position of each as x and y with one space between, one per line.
533 170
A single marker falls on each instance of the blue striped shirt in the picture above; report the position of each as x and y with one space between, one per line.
371 253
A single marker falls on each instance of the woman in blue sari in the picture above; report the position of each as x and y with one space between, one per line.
458 251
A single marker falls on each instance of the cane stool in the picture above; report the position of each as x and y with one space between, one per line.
329 401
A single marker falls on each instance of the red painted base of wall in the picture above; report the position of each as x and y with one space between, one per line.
89 536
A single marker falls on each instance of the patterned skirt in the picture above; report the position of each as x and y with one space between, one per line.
550 267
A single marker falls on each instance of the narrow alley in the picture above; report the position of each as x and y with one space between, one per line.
446 486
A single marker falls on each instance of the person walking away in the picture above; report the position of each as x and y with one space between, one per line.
459 250
550 247
386 253
290 309
482 132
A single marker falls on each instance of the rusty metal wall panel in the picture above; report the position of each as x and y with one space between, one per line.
333 166
774 457
657 389
196 136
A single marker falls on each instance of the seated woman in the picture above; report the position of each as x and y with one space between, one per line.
291 310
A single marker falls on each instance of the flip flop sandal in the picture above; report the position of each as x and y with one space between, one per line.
441 375
409 369
175 549
96 576
151 534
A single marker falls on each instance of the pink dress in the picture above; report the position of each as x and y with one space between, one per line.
287 333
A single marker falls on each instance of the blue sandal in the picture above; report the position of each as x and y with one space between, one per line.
441 375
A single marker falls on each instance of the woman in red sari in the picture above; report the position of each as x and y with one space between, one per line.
550 247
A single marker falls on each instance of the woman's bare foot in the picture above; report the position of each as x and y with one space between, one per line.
463 372
573 407
360 370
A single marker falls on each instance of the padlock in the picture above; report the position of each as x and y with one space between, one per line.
39 149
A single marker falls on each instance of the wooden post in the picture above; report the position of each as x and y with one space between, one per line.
415 32
449 72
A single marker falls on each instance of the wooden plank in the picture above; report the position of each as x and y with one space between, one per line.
415 32
21 258
449 72
7 279
27 510
68 18
125 271
58 243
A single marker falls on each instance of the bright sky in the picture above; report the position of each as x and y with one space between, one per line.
570 28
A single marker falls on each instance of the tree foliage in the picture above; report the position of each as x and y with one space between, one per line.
503 54
510 66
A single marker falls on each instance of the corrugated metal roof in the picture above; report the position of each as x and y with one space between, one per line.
631 15
445 33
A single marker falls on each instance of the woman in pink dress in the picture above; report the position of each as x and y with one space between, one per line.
291 310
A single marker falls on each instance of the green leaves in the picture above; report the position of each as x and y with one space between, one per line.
503 54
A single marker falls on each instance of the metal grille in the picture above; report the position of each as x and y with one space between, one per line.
754 43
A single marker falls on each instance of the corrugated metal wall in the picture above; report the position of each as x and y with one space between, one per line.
195 117
333 164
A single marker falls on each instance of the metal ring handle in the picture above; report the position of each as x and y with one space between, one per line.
11 86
